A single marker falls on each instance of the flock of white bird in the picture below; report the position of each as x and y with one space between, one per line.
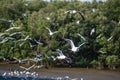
60 56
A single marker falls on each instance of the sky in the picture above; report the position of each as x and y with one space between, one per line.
79 0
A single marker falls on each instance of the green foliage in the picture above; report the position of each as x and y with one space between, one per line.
112 61
103 16
82 63
94 63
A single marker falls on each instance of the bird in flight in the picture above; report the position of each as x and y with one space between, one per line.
27 69
73 47
82 37
50 32
61 55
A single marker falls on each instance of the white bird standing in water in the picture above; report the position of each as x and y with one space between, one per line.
61 55
4 74
74 49
50 32
92 31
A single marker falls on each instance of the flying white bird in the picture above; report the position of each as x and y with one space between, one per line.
31 45
37 41
53 57
50 32
26 38
15 33
99 36
103 52
82 37
71 11
27 69
3 34
61 55
12 28
92 31
109 38
7 39
78 22
75 12
20 61
48 18
74 49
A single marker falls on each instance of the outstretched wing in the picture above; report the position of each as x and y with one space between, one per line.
55 32
81 44
81 14
92 31
59 51
48 29
23 67
82 37
70 42
31 67
12 28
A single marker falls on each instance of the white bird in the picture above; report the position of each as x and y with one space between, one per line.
61 55
12 28
7 39
21 44
53 58
78 22
92 31
81 79
26 4
2 34
37 41
99 36
24 14
103 52
93 10
20 61
4 74
74 79
39 66
75 12
27 69
71 11
82 37
26 38
31 45
37 59
7 21
74 49
15 33
50 32
48 18
109 38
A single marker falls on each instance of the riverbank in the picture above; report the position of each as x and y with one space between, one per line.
86 74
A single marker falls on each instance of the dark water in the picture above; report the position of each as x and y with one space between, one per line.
22 78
